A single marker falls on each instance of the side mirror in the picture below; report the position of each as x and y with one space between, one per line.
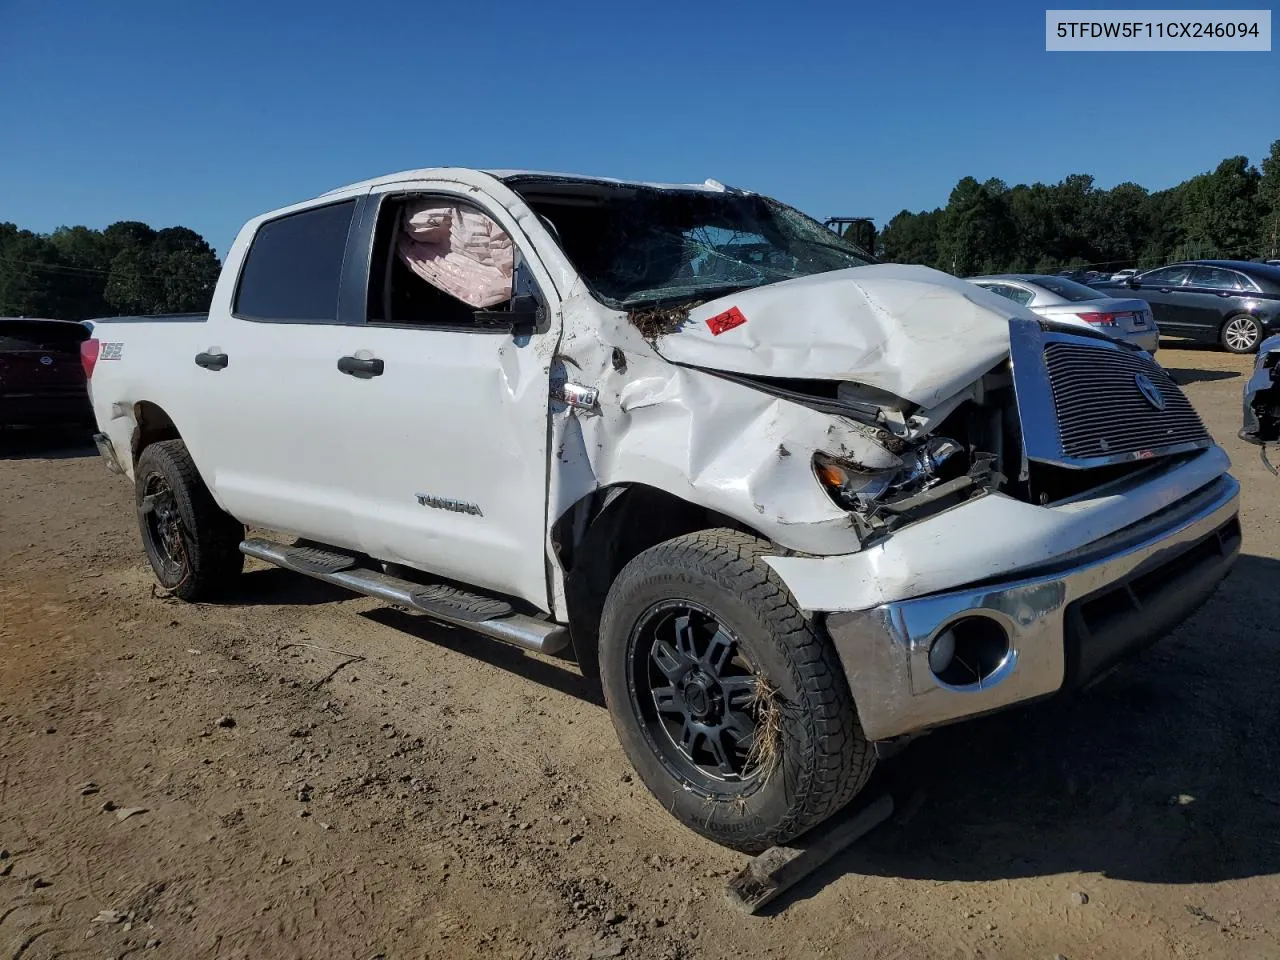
521 317
1134 283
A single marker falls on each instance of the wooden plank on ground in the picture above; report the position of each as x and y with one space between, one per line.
780 868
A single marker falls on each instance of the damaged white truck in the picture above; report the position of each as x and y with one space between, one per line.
792 507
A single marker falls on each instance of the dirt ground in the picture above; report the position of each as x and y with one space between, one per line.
230 781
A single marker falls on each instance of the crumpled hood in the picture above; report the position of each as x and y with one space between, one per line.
916 332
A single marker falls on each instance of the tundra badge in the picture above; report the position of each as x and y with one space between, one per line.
448 503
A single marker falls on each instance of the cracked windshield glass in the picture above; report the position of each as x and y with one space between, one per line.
638 246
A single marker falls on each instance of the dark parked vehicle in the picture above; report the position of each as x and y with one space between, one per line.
42 381
1262 400
1231 302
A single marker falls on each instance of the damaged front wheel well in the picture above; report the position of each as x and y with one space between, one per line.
601 534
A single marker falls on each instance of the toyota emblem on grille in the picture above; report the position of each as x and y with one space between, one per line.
1149 392
46 360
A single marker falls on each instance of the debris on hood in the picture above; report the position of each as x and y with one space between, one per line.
654 322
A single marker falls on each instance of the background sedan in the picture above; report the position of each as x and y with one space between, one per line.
1057 298
1231 302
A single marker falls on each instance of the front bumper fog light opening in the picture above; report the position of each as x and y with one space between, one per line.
966 653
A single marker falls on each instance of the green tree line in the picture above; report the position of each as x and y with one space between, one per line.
76 273
1232 212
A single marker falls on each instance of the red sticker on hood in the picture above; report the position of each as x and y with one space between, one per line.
725 321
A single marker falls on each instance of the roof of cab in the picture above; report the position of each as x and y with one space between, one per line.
513 176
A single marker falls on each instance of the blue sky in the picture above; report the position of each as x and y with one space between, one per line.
205 114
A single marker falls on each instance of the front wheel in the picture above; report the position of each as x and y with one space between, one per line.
193 546
1241 334
732 707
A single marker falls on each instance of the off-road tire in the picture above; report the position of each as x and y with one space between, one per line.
1233 344
210 558
823 759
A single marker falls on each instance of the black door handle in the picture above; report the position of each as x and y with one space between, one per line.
364 369
212 361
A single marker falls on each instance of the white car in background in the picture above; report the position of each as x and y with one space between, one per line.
1122 275
1063 300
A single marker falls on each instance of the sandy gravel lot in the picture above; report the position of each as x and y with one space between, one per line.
199 782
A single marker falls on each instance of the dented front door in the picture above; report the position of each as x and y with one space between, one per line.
448 450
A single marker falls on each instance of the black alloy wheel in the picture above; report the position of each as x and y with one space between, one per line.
159 508
695 692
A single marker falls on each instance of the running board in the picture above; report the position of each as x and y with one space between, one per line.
492 618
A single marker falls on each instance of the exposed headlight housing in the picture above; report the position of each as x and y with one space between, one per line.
933 461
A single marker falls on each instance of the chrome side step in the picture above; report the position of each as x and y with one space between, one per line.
540 636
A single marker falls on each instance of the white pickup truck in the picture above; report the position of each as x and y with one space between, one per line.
792 507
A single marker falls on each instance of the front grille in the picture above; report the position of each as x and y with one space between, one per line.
1101 409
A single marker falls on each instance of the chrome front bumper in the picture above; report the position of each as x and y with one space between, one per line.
1067 621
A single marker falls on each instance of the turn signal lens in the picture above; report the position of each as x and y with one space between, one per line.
831 475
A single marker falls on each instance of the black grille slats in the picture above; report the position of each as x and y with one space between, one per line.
1101 410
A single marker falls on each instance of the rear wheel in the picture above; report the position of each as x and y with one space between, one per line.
1241 334
193 545
732 707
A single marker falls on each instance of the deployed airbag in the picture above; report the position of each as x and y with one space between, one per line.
459 250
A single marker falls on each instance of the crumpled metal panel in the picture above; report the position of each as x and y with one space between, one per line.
1262 396
918 333
710 441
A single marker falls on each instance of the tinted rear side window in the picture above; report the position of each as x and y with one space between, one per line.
1166 277
1067 289
294 267
1216 278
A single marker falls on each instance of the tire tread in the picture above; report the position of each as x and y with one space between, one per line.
213 548
836 759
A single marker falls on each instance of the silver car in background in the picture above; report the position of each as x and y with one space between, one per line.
1065 301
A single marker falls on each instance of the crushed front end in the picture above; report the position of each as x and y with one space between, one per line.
1262 400
1062 513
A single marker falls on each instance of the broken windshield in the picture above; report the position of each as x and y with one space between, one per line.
635 245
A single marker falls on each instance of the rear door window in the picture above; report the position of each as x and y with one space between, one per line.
293 270
1214 278
1166 277
1009 292
1019 294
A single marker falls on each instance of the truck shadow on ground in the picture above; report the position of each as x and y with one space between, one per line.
1167 771
1185 375
276 586
558 673
46 444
